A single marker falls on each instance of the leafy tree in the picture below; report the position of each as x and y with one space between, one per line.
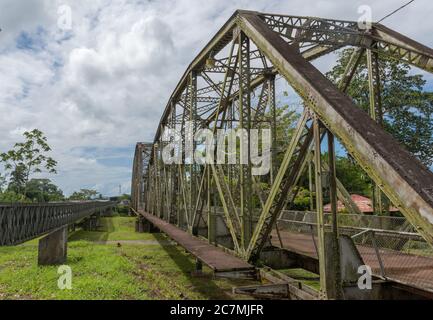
26 158
286 119
302 199
11 196
351 175
2 182
43 190
83 194
17 180
407 109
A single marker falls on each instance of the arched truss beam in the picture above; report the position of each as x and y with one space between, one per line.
289 42
304 33
313 37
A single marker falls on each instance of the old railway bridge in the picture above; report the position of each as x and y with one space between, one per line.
234 221
241 224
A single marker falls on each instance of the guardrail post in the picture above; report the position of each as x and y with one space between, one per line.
53 247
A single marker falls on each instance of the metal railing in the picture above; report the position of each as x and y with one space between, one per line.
23 222
389 245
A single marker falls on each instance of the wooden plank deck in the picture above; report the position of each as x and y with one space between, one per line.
215 258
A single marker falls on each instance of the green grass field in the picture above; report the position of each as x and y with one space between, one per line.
114 263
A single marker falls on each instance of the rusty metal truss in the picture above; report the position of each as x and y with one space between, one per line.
231 84
23 222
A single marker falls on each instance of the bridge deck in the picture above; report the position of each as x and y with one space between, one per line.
216 258
410 269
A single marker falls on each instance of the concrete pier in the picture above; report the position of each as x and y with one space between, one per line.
53 248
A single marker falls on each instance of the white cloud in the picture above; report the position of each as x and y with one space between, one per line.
105 83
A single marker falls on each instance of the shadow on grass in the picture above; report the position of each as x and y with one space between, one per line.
101 235
204 283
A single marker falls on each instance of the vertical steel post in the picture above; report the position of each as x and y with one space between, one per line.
273 108
158 182
310 182
192 106
319 206
374 94
335 254
211 218
181 217
245 124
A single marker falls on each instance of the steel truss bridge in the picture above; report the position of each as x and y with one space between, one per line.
50 221
231 84
22 222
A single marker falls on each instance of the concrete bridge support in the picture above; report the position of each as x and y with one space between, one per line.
108 212
142 225
91 223
72 227
53 248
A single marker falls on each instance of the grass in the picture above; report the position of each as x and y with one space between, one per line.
116 228
306 277
151 269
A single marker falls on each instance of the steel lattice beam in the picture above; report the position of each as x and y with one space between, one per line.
23 222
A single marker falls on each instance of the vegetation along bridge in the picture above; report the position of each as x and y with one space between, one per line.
243 224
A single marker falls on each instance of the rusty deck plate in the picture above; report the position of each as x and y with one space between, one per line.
215 258
410 269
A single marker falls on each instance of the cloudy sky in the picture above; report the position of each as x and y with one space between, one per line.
98 87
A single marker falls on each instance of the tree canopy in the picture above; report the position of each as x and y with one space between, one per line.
407 107
26 158
84 194
43 190
23 160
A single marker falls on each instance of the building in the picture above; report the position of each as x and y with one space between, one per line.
364 204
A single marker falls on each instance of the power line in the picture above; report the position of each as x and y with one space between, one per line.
398 9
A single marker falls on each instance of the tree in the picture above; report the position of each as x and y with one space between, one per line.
407 109
43 190
351 175
83 194
17 181
11 196
2 182
26 158
302 200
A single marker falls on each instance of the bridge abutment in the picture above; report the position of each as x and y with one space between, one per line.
53 248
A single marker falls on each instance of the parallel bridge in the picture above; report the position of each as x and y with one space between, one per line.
51 221
23 222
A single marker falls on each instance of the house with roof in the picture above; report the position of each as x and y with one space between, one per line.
364 204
